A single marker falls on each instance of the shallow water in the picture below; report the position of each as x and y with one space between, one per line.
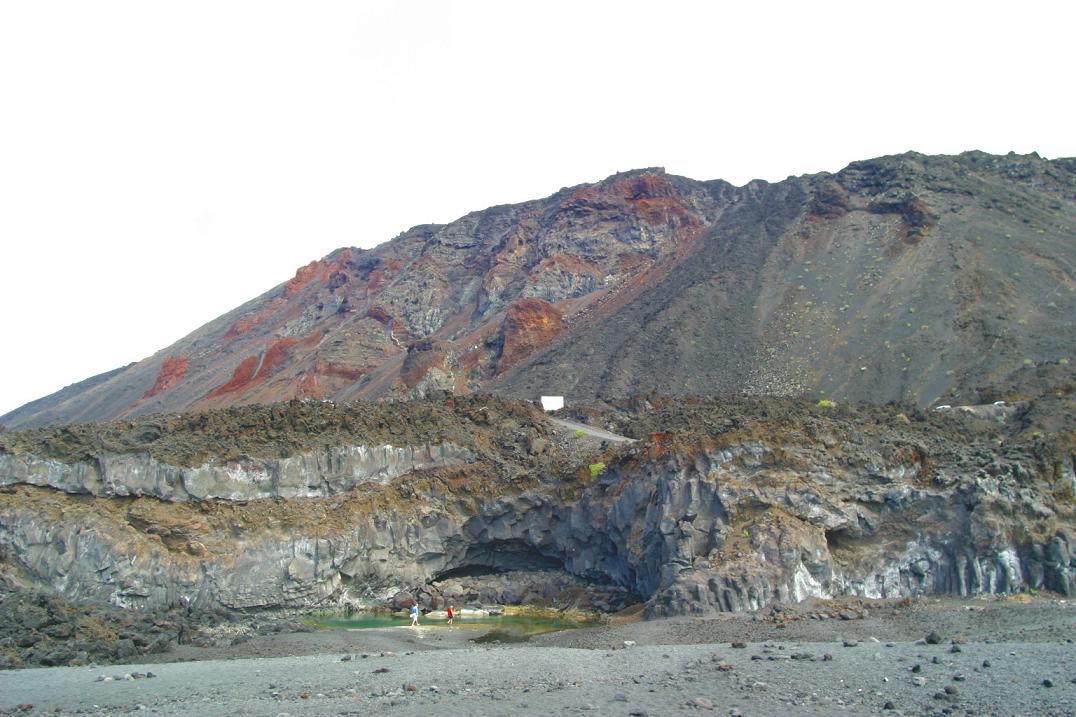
492 628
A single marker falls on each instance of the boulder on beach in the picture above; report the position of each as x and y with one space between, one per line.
403 601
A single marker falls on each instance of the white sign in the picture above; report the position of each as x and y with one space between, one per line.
552 403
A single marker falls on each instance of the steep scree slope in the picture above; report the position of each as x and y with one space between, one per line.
908 278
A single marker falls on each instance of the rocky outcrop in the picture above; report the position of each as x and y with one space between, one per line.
530 324
726 543
329 472
43 630
757 512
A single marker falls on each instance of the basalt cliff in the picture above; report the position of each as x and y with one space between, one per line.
909 278
716 504
855 384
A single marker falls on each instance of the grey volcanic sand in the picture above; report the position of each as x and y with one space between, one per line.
678 666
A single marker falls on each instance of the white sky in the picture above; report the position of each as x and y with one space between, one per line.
162 163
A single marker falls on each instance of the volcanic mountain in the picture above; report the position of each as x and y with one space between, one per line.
908 278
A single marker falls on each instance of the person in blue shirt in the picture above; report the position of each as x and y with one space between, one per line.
414 615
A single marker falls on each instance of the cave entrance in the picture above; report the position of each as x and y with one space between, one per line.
500 556
514 572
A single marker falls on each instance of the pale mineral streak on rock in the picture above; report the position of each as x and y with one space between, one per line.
329 472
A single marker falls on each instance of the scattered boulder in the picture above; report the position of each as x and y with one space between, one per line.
403 601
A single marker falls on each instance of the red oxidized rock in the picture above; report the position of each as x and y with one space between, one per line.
172 372
243 375
303 277
529 325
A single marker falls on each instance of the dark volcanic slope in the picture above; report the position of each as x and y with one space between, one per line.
46 404
692 329
904 278
911 278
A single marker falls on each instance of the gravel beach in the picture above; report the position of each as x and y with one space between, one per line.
928 657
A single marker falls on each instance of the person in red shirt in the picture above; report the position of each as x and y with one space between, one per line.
451 615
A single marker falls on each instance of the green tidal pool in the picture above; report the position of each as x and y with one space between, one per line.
487 628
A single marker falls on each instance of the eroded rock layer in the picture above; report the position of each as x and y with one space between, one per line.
738 504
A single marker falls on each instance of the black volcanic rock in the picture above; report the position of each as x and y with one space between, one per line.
724 504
